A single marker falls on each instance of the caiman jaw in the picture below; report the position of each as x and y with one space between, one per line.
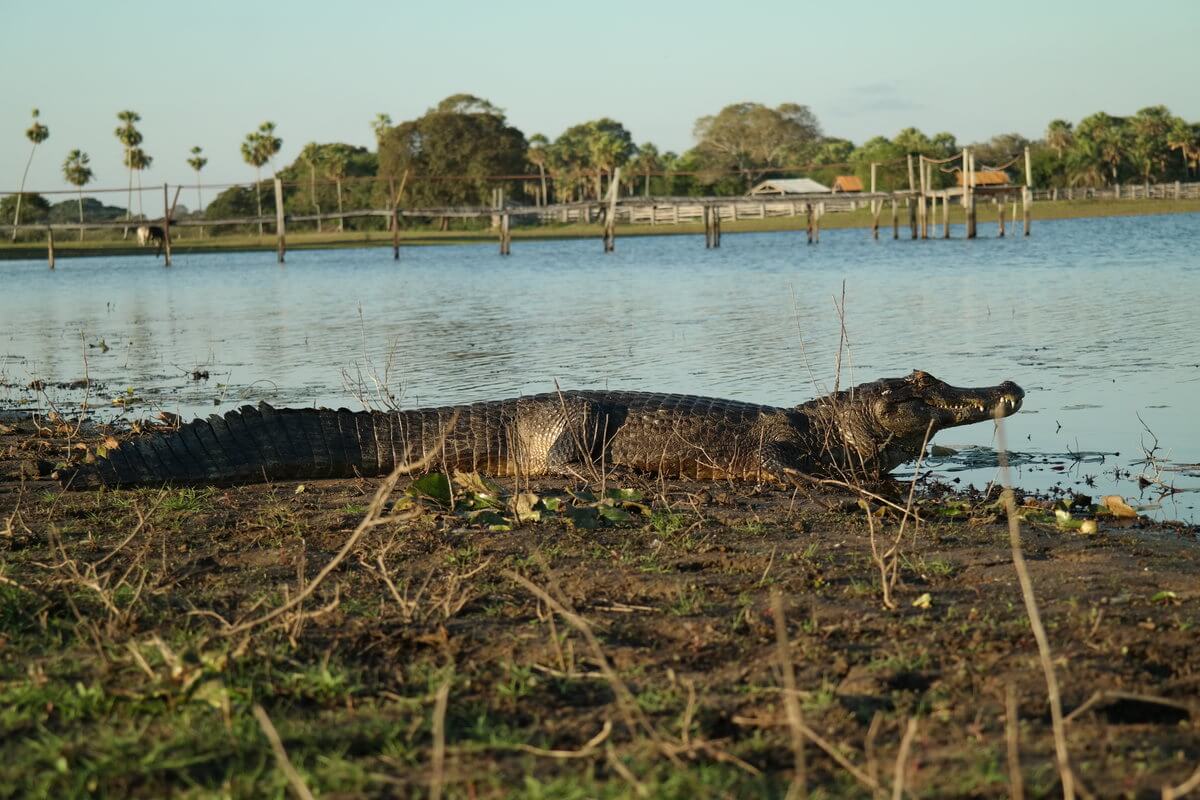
966 406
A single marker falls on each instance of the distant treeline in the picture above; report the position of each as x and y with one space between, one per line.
463 150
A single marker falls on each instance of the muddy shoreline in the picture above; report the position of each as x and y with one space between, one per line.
425 659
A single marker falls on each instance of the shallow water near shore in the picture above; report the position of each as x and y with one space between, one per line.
1095 318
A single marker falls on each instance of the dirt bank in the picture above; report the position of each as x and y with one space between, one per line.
427 660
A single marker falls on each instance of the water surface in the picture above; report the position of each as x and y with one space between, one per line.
1096 319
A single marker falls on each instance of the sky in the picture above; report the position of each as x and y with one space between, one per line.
208 73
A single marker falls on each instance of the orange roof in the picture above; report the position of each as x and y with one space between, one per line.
848 183
985 178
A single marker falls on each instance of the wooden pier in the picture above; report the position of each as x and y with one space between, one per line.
923 203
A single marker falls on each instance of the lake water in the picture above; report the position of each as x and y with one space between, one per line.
1096 319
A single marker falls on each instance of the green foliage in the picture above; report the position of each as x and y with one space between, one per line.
34 208
462 136
754 138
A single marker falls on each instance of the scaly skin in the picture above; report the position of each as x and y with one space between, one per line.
865 431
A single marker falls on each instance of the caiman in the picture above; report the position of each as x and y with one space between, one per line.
865 431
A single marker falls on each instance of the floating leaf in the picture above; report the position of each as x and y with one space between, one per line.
434 486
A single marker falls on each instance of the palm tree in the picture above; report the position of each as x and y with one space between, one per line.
129 137
138 160
78 174
1059 136
537 154
380 126
254 154
311 155
336 162
36 133
647 162
197 162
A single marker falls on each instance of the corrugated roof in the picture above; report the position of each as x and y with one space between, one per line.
848 183
986 178
789 186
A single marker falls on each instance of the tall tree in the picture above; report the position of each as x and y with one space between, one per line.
336 158
258 148
754 139
1186 139
311 156
197 162
129 137
381 125
1151 128
1059 136
538 155
1101 144
36 133
139 160
461 136
647 162
78 173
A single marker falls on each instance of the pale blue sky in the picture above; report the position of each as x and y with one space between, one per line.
206 73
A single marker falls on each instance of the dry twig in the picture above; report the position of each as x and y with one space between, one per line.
281 756
1062 755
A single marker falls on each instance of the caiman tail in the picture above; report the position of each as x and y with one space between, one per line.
255 444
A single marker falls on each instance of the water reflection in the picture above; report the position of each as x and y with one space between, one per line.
1095 318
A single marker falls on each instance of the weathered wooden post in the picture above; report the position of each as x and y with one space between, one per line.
610 216
912 206
280 225
971 211
946 215
50 246
716 226
922 216
817 223
505 235
876 204
895 218
395 233
1000 209
808 214
166 228
1027 192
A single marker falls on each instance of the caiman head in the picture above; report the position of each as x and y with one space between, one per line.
883 424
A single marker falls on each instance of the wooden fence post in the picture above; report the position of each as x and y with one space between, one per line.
505 235
876 204
610 216
166 229
50 246
946 216
808 214
895 219
280 224
971 211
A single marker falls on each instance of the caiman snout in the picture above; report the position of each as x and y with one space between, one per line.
1011 397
